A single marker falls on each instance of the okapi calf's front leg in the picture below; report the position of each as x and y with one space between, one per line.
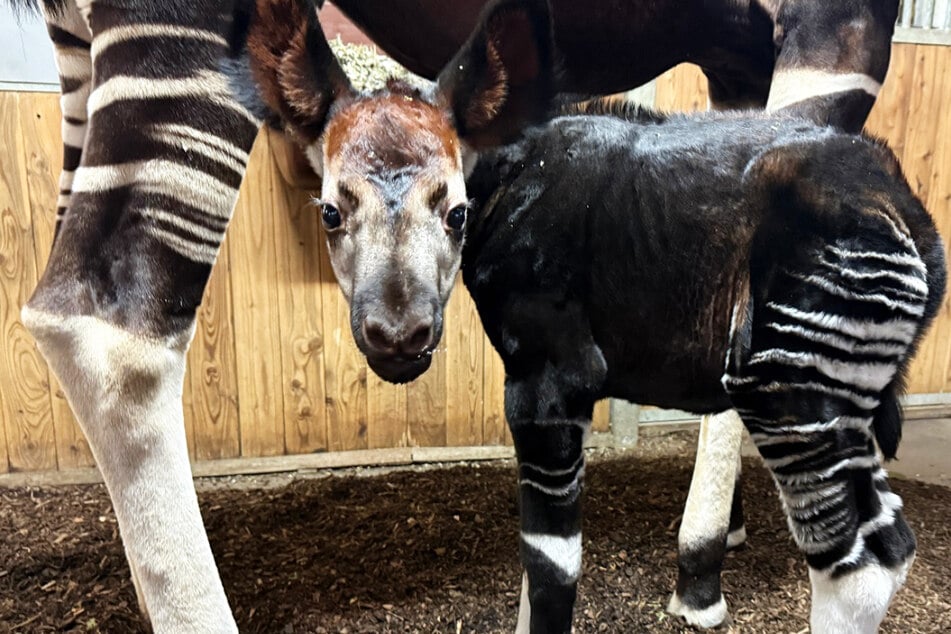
165 150
550 477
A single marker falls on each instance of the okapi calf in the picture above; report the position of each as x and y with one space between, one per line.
747 261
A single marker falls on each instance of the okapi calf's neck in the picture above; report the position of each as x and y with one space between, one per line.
765 264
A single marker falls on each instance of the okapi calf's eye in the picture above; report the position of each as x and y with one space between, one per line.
330 216
456 220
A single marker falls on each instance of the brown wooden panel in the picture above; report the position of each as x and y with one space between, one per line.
25 409
923 119
211 382
297 240
43 153
889 116
465 342
257 332
386 424
495 429
682 89
426 403
345 369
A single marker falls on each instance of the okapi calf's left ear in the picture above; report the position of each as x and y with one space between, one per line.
297 73
503 78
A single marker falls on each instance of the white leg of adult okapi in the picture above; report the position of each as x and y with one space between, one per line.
705 527
165 150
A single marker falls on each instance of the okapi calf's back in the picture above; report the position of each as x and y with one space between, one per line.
701 263
765 264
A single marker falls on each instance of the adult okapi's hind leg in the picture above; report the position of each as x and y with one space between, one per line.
835 312
164 152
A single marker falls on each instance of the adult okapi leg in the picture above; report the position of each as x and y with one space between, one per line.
165 150
71 43
706 526
831 58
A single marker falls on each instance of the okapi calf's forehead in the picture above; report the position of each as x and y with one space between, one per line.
395 129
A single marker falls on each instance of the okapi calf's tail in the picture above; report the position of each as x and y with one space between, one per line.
851 186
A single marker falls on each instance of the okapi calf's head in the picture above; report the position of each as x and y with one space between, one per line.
393 200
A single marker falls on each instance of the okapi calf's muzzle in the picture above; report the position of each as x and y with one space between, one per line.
396 329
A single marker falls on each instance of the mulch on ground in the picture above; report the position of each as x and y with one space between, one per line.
435 550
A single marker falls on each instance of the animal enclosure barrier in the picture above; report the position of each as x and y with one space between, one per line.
273 369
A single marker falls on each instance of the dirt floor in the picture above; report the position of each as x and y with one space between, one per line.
435 550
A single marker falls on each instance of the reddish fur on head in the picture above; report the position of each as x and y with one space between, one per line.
398 126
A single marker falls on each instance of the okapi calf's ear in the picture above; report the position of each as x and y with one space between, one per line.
297 73
503 78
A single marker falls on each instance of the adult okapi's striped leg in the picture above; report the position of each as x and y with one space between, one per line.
550 477
706 526
814 381
831 58
165 149
71 43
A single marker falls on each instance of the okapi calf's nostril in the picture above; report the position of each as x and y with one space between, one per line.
410 338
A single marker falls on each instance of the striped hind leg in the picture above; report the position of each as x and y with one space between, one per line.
165 149
704 533
814 379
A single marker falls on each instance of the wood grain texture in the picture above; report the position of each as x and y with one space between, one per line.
298 235
889 116
43 160
211 380
923 119
495 430
25 410
345 369
387 424
426 403
682 89
465 345
257 330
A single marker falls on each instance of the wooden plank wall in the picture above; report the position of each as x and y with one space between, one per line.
912 115
273 369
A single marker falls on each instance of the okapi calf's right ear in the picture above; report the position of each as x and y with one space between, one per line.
297 73
503 78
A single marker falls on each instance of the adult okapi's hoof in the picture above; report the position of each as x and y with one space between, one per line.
713 616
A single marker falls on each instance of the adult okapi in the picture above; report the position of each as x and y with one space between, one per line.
159 113
754 261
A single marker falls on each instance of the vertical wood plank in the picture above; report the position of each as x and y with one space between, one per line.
889 116
938 204
43 153
601 418
426 404
464 342
298 236
345 369
387 425
682 89
495 429
923 119
212 378
257 333
25 411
